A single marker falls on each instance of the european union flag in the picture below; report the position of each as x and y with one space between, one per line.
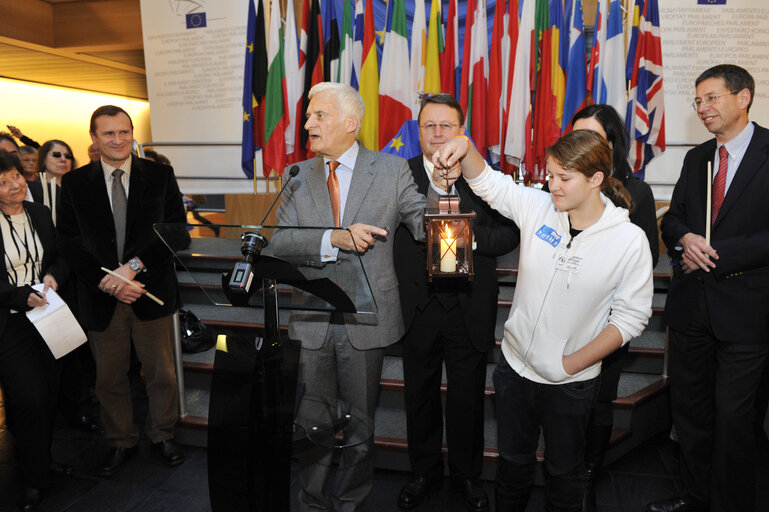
196 20
711 2
406 142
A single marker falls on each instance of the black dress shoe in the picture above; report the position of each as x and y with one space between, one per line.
414 491
473 494
30 498
60 469
675 505
116 457
87 424
170 452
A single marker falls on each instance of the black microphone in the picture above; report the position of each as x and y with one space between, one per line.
253 242
291 173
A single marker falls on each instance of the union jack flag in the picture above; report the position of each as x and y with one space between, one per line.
645 119
606 75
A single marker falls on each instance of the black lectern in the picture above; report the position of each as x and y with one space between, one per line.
257 417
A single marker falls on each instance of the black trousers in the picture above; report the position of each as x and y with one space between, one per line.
438 335
29 375
713 385
561 412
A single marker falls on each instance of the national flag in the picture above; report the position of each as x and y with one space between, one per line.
434 48
312 29
331 40
646 106
346 51
276 106
576 68
357 45
518 141
254 87
394 88
369 82
509 42
634 21
450 71
495 87
546 131
467 43
606 79
293 80
559 33
475 74
418 56
300 148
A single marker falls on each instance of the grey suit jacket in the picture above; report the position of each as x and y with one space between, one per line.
382 193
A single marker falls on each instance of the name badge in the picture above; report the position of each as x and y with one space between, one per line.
549 235
568 263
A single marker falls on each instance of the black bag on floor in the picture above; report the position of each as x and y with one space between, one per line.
196 337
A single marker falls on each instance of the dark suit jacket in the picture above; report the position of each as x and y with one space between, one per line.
36 190
87 237
12 296
737 290
494 234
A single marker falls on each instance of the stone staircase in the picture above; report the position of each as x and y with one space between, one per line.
641 410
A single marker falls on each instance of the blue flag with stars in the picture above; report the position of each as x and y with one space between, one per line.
406 145
406 142
248 145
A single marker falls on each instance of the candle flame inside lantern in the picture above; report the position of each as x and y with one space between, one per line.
448 252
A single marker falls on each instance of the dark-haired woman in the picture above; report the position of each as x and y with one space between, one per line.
55 159
605 121
584 289
27 368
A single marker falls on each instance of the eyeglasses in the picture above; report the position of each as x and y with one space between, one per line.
710 100
57 154
440 126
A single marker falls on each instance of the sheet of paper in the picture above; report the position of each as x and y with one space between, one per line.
56 324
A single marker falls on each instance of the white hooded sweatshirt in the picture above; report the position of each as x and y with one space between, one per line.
568 290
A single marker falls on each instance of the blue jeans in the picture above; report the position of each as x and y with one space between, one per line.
562 412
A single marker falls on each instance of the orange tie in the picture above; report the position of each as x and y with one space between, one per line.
719 184
333 191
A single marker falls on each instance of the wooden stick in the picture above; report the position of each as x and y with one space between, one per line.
43 181
53 200
148 294
708 207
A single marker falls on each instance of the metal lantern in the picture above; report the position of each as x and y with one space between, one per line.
449 235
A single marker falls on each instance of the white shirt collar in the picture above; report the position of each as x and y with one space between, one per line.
348 158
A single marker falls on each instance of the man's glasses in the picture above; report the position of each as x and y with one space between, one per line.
57 154
709 100
438 126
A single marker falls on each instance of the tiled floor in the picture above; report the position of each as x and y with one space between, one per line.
145 484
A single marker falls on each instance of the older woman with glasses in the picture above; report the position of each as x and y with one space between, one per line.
28 370
28 157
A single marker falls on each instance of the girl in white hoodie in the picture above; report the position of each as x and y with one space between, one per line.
584 289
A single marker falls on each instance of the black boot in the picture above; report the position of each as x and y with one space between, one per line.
597 438
512 486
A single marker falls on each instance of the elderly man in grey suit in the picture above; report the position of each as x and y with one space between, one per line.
341 358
